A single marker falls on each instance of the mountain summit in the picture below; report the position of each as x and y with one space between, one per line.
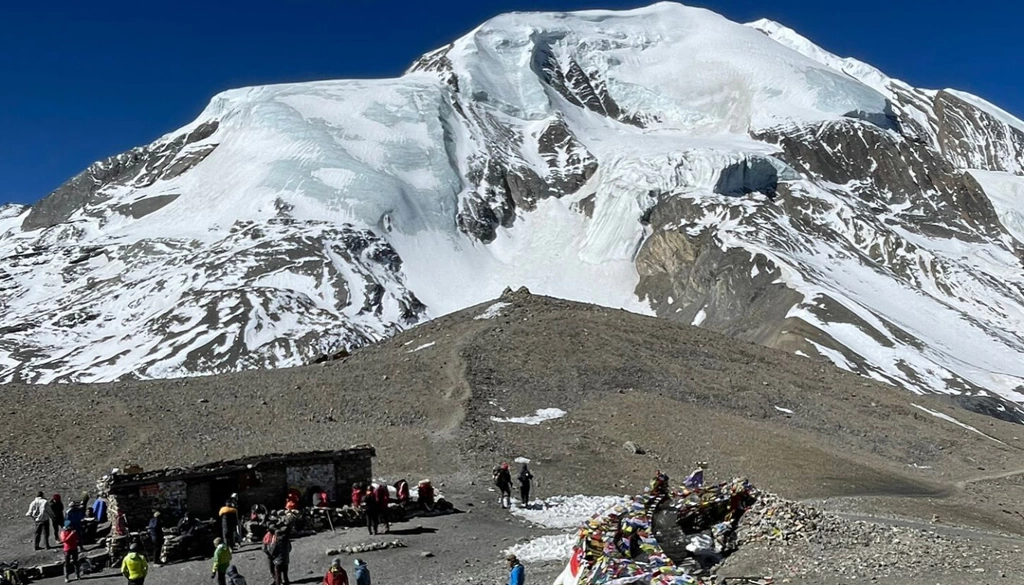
664 160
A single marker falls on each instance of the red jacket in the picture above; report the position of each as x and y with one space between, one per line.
70 539
339 577
357 497
382 495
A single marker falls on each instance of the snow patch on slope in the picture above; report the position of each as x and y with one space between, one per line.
541 416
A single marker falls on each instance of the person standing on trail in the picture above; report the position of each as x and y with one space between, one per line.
383 496
229 524
516 572
69 538
281 553
135 567
221 561
503 481
362 572
336 575
39 512
156 535
372 510
525 482
56 514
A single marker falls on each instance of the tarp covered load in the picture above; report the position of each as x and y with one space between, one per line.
665 537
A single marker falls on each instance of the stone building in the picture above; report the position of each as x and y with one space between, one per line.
263 479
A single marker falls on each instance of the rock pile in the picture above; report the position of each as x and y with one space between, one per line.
367 547
800 540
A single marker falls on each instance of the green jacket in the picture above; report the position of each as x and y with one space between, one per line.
134 566
221 558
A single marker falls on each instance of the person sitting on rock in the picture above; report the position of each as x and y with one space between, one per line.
336 575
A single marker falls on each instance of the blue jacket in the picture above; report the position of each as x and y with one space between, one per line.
362 575
517 575
75 515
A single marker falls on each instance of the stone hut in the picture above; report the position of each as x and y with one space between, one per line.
261 479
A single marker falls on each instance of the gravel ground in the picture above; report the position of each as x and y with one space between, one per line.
681 393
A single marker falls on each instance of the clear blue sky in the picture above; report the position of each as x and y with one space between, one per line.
81 80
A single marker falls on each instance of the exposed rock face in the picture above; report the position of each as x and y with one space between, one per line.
137 168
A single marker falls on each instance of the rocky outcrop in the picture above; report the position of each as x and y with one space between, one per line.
139 167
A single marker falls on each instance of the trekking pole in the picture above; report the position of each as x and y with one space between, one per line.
330 521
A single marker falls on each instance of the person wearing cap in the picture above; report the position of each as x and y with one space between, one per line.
135 567
516 574
221 561
39 512
69 538
229 524
336 575
362 572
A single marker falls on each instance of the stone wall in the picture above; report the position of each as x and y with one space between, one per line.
358 468
139 502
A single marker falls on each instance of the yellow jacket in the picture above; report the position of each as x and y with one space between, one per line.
134 566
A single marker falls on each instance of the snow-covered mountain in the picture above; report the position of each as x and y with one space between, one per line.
664 160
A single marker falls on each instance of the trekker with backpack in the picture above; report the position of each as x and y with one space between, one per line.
503 481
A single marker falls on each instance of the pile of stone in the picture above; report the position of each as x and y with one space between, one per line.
367 547
799 540
198 543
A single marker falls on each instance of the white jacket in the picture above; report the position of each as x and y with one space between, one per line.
38 510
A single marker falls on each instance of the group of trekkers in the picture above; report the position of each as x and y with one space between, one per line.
77 524
73 526
502 477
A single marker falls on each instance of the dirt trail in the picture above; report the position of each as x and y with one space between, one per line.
993 477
